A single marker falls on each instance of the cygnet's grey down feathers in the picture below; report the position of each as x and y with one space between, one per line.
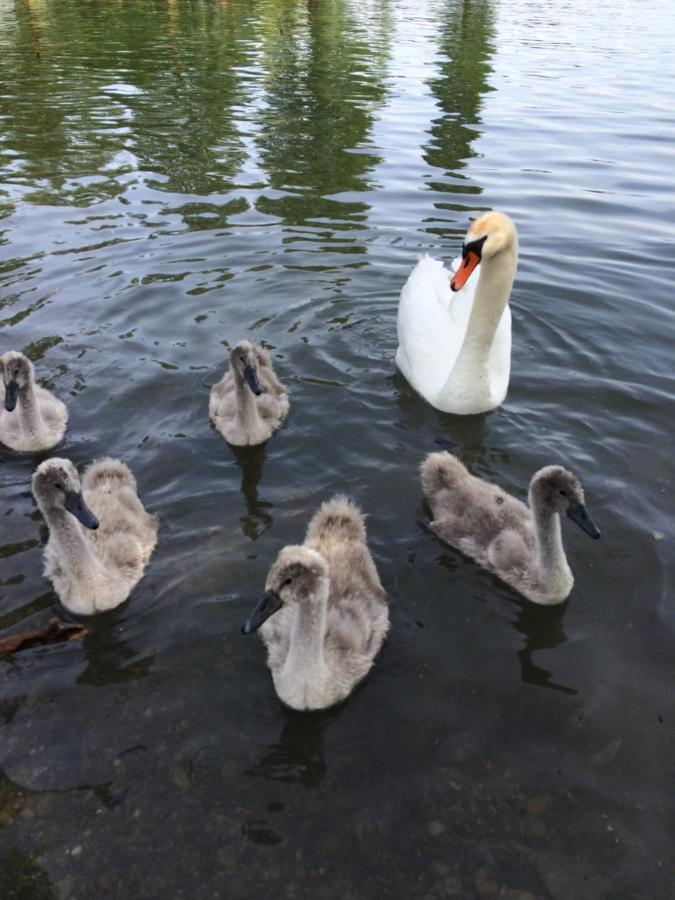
31 417
332 610
249 403
520 544
93 568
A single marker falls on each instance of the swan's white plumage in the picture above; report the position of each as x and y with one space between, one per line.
432 327
432 322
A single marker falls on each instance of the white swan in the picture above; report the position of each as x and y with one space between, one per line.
521 544
95 569
455 348
31 418
324 613
249 403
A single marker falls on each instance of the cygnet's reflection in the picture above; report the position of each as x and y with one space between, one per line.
251 461
298 756
543 629
109 658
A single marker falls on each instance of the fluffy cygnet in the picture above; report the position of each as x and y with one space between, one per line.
249 403
100 536
324 613
521 544
31 417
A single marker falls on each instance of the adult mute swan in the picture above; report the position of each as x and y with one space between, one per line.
455 348
249 403
521 544
324 613
93 568
31 417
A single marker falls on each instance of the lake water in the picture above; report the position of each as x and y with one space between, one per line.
177 176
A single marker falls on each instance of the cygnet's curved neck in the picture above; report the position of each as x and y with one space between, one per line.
470 373
305 653
549 551
248 416
31 422
76 550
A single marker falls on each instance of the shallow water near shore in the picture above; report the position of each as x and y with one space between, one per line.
174 177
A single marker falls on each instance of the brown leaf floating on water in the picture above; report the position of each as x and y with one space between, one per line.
54 631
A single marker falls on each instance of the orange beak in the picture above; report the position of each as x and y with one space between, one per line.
461 276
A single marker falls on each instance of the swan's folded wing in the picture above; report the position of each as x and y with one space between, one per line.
225 385
431 325
224 409
267 376
423 325
53 410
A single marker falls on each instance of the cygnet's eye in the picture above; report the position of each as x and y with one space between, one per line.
286 582
561 491
58 485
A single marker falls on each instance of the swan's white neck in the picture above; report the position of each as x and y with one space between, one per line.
550 560
31 423
304 671
470 375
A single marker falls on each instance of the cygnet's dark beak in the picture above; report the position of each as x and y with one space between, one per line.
578 513
252 380
11 393
268 604
75 504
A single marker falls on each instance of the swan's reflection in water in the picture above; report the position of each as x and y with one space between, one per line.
251 461
542 627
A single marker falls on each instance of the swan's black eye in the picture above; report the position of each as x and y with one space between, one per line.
286 582
58 485
564 493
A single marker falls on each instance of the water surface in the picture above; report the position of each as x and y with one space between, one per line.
177 176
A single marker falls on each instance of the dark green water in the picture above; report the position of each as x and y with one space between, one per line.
178 175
